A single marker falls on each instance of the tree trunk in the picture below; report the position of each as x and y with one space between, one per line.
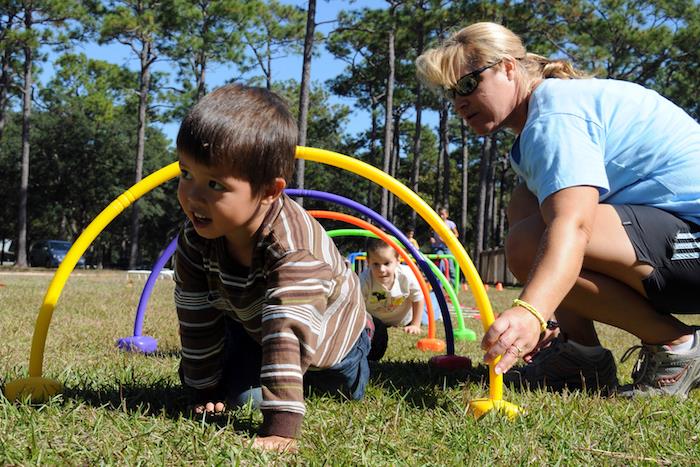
304 91
500 228
201 76
415 167
481 206
4 87
21 250
464 213
490 208
144 88
372 150
389 110
395 163
445 145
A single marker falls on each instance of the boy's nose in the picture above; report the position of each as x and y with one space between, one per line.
194 193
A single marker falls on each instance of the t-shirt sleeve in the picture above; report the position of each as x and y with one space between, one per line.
560 151
291 325
200 323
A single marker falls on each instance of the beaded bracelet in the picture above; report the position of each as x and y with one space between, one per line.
533 310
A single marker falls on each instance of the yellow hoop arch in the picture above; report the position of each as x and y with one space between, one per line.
40 389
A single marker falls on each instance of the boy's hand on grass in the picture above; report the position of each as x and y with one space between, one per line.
412 329
275 443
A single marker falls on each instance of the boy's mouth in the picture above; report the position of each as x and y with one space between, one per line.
199 220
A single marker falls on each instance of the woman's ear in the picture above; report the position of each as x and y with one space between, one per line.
274 191
510 67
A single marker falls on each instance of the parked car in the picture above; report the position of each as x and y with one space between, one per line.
50 253
7 251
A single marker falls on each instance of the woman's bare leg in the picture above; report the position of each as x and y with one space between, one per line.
609 288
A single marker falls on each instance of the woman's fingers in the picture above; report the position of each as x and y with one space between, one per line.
510 337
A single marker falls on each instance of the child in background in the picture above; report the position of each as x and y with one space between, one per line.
392 295
410 232
262 293
438 244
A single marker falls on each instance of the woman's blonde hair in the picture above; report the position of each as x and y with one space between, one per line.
481 44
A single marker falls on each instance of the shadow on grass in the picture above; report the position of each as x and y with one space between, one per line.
156 398
417 380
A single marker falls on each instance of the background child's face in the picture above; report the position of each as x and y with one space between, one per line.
443 213
383 263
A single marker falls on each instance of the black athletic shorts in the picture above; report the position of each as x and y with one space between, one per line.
672 246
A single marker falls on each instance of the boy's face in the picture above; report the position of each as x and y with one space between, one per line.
383 263
217 203
443 213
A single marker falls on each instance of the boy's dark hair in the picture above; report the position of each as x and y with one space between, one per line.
374 244
248 130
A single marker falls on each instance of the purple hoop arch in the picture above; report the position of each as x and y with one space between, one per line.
388 226
131 343
137 342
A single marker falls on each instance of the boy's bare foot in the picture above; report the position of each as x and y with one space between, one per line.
276 443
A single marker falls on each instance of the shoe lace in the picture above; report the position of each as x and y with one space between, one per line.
645 366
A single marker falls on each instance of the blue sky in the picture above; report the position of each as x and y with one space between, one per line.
323 66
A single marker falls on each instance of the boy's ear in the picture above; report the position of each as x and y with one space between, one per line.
274 191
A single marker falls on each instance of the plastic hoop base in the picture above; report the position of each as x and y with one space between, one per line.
431 345
480 407
142 344
465 334
38 389
450 362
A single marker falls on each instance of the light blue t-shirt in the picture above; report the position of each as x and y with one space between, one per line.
632 144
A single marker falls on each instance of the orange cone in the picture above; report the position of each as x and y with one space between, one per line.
499 286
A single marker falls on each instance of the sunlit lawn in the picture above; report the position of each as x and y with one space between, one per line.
120 408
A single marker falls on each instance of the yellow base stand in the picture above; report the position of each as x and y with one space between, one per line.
38 389
479 407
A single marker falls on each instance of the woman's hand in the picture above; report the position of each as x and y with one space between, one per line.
275 443
514 334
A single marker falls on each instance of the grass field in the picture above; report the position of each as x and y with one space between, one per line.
128 409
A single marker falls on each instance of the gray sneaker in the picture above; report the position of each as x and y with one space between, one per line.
659 371
561 365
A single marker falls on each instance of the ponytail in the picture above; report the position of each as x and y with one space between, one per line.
537 65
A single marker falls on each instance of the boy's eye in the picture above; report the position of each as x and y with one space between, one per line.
185 174
214 185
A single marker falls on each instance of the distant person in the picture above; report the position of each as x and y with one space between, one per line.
605 227
392 295
438 244
410 234
262 293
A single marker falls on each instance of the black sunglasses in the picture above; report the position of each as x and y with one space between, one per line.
468 83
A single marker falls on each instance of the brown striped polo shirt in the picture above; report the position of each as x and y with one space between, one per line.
299 299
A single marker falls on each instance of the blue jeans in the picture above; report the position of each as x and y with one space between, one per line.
380 340
243 359
441 262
